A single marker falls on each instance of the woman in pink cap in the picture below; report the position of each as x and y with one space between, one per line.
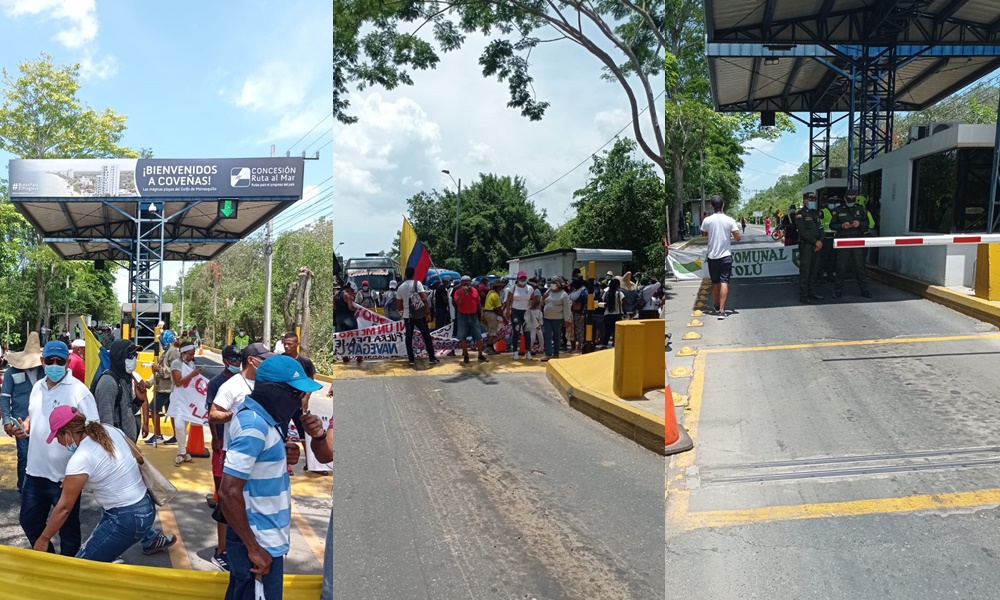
103 459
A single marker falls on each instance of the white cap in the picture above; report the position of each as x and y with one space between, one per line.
392 284
79 344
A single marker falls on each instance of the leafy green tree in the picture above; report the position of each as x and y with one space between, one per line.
496 223
626 37
42 117
619 206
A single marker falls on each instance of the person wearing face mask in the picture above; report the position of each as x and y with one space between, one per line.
807 222
242 340
25 369
182 371
469 318
517 305
104 460
46 467
255 494
827 258
558 314
366 297
850 221
114 389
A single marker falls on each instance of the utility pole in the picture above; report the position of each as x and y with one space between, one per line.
267 278
458 205
67 305
183 266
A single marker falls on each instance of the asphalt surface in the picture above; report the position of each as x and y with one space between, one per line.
483 485
810 461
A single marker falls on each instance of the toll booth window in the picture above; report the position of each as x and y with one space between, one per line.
933 194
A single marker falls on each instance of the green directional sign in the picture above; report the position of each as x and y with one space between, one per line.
228 208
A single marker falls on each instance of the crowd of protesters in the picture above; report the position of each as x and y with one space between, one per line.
71 438
476 310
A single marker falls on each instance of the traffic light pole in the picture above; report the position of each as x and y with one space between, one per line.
267 279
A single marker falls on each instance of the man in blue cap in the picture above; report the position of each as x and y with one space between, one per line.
255 493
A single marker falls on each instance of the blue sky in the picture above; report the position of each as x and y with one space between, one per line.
196 79
453 118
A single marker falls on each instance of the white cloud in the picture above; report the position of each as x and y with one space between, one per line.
275 86
610 122
102 68
81 14
761 144
79 27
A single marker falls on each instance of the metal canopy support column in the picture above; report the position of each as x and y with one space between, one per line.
993 213
819 146
147 270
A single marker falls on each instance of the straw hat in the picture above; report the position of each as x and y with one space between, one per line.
30 357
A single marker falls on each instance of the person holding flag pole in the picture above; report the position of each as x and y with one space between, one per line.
411 295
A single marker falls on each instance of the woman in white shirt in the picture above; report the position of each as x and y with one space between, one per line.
517 305
103 460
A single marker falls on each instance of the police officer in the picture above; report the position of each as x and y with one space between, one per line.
850 221
810 244
827 259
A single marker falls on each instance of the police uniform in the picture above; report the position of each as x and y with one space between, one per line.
807 224
850 260
826 256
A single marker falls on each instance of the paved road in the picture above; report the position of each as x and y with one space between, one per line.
467 483
861 462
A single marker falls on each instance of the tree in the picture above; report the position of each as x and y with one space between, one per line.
41 117
691 123
496 223
385 55
619 207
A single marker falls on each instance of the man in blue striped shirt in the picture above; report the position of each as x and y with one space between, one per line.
255 493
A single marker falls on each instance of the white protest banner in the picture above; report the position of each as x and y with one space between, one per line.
779 261
379 337
187 402
311 462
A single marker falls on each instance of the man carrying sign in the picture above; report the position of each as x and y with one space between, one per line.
187 401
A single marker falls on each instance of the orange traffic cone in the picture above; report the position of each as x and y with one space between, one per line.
676 438
501 345
201 352
196 442
521 344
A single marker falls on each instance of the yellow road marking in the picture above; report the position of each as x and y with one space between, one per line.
890 341
179 558
677 501
769 514
450 365
315 544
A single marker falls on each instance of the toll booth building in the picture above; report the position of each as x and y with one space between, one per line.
937 183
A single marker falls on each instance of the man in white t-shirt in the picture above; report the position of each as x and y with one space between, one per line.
409 292
232 393
719 227
46 466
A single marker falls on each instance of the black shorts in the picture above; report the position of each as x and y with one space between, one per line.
160 402
720 269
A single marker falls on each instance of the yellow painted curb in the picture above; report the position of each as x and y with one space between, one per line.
977 308
645 429
691 335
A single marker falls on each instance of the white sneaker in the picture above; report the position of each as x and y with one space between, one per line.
517 355
182 458
527 356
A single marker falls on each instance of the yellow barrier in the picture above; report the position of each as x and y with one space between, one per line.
145 366
629 369
30 574
988 272
653 370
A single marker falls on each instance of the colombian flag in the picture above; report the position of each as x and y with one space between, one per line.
92 360
412 252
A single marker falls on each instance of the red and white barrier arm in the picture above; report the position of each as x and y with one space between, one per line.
912 240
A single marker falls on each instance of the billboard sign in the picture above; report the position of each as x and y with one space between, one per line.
156 178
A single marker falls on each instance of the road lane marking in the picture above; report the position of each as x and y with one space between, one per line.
877 342
677 499
980 499
302 524
179 558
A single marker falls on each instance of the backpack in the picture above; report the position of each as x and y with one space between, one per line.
418 308
136 403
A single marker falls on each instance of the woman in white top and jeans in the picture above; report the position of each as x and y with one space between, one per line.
518 303
103 459
558 314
